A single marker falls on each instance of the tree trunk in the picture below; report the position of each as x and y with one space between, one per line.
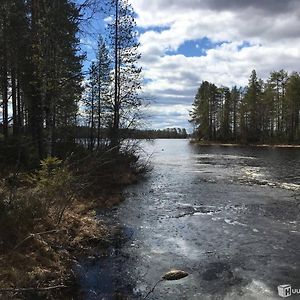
14 100
35 111
20 113
92 140
115 131
99 112
5 98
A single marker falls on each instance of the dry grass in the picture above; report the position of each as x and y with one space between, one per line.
38 248
46 260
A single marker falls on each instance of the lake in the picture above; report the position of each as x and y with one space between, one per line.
229 216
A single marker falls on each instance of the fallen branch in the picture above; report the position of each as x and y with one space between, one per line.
32 235
169 276
153 288
38 289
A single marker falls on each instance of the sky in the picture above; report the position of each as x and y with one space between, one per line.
186 42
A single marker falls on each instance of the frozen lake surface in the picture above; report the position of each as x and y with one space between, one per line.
229 216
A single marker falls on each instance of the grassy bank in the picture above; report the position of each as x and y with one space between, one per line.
48 220
44 258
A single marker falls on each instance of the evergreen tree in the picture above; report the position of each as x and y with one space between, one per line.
126 79
252 99
103 87
90 103
261 112
40 68
226 115
200 114
4 55
235 100
293 107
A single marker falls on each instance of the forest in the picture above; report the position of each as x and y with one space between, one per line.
262 112
45 94
167 133
51 184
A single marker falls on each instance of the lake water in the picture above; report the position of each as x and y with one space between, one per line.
229 216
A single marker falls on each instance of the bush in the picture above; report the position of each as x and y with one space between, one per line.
31 200
19 211
105 172
53 184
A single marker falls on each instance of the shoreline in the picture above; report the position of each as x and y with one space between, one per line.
49 259
48 255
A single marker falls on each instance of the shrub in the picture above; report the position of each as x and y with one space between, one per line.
31 200
53 185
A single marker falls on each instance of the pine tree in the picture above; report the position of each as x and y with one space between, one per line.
126 81
4 11
103 87
40 68
277 82
226 115
97 100
260 112
90 102
235 100
293 107
252 99
200 116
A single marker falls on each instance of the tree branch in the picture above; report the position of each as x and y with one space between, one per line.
32 235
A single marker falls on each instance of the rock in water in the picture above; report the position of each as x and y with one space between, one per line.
175 275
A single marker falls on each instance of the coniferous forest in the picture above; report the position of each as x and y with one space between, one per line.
262 112
51 180
41 71
44 96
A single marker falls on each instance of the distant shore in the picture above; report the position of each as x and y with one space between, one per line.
210 143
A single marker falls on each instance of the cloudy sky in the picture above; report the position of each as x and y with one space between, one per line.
186 42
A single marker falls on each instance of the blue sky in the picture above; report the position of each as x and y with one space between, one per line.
186 42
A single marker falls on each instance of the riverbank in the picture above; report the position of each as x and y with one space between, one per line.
38 250
43 260
208 143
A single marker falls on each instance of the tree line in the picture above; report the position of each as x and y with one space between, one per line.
167 133
40 69
43 97
262 112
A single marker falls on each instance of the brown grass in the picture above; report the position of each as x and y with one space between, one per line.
46 260
37 248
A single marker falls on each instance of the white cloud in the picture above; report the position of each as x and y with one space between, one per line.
271 29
